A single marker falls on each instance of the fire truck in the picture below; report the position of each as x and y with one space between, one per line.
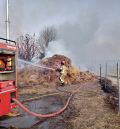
8 76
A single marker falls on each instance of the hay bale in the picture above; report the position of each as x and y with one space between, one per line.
40 76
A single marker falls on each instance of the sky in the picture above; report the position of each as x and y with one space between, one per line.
87 29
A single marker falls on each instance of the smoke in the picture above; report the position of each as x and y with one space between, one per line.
57 47
88 30
77 35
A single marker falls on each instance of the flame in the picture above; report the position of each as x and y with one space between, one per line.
2 63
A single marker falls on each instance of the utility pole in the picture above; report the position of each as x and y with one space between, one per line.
7 21
100 73
106 69
118 84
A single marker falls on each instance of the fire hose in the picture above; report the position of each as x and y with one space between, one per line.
46 115
43 115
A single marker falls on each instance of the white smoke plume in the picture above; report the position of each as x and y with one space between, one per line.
57 47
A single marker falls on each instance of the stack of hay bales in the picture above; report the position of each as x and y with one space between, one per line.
36 76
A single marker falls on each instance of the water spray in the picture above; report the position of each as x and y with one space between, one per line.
35 65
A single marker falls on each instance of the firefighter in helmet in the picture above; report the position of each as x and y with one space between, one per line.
2 65
63 72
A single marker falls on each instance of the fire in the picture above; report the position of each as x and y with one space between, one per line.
2 64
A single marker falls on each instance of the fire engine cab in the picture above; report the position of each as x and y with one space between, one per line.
8 76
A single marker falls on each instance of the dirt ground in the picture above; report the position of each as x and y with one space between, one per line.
87 109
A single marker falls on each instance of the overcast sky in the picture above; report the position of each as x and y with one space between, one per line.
87 29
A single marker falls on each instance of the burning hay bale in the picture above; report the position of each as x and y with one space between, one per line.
36 76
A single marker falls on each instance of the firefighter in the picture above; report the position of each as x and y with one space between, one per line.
63 72
9 63
2 65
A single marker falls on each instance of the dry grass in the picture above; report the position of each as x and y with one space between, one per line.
93 113
36 90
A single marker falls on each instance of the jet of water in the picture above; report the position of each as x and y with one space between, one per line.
35 65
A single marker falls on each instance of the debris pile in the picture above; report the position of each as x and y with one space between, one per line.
35 76
112 92
112 100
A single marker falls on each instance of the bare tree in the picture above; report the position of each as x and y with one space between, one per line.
30 47
27 47
45 37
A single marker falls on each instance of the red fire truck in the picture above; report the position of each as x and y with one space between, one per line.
8 76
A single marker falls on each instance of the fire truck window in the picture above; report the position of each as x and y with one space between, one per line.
7 62
7 65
